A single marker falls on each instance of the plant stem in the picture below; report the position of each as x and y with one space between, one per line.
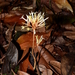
33 43
35 66
33 50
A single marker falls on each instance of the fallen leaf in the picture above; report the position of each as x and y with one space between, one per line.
63 4
56 65
26 40
12 18
22 73
69 34
11 59
58 5
4 4
48 57
25 65
44 70
25 52
49 47
67 64
42 61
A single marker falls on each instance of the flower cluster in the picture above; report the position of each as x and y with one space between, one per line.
35 20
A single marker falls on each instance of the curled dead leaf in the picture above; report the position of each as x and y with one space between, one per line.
63 4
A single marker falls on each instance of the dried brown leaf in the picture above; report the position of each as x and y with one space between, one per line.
45 54
63 4
25 65
26 40
44 70
58 5
56 65
24 54
49 47
22 73
12 18
42 61
48 57
69 34
2 4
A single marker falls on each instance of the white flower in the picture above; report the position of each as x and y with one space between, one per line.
38 41
35 20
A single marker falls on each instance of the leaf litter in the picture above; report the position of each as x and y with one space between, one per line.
54 54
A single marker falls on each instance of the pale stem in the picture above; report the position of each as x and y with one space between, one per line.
33 50
35 66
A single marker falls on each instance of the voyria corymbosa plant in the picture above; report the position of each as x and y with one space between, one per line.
34 20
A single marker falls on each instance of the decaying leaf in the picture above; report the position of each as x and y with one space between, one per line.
57 6
26 65
22 73
67 64
46 55
63 4
45 71
4 4
69 34
26 39
11 59
49 58
12 18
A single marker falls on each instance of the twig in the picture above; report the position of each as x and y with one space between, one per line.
13 72
2 59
